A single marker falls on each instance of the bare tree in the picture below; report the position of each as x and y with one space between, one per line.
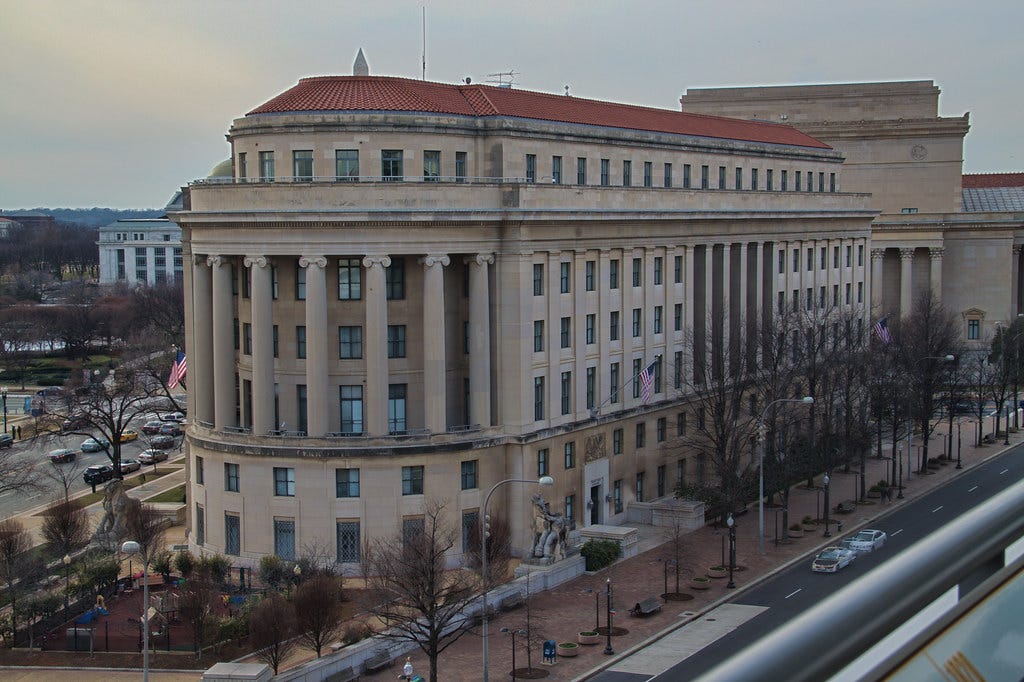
144 525
272 630
14 543
499 549
197 605
318 611
64 475
17 472
413 595
65 526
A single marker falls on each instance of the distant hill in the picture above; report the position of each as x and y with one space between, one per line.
92 217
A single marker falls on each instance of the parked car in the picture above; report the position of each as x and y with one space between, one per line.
98 473
151 428
170 430
831 559
62 455
152 456
868 541
6 440
129 435
95 444
130 465
162 442
176 417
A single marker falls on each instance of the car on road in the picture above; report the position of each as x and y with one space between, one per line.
831 559
867 541
170 430
151 428
62 455
152 456
176 417
129 435
98 473
95 444
162 442
6 440
75 421
130 465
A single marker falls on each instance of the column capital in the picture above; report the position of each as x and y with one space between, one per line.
199 259
307 261
877 254
258 261
383 261
906 254
1017 249
480 259
214 261
936 253
430 261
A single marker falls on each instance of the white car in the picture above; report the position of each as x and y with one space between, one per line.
867 541
831 559
151 456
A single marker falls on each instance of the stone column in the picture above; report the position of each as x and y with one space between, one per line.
480 340
1016 286
224 397
727 305
200 355
262 345
688 290
434 371
935 255
877 256
906 263
317 400
375 347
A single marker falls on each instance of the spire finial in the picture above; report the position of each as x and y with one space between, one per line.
360 67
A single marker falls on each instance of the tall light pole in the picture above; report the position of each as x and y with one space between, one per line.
3 393
67 582
521 633
732 549
608 650
826 480
132 547
543 480
807 400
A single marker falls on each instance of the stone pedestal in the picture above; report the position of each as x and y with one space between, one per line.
628 538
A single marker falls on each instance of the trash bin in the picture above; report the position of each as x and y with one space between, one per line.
549 650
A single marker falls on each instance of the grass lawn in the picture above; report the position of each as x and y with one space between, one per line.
173 495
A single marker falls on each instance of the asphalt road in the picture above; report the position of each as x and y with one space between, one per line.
797 588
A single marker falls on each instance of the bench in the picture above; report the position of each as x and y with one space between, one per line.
846 507
646 607
512 601
377 662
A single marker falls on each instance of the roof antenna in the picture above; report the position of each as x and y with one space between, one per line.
424 73
566 90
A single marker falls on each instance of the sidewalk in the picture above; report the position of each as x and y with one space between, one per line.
561 613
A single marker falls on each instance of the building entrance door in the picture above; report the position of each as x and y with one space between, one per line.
595 505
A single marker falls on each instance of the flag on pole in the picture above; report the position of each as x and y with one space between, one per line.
881 330
647 382
177 371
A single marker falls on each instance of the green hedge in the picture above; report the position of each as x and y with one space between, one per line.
600 553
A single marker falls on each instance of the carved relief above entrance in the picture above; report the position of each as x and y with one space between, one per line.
594 448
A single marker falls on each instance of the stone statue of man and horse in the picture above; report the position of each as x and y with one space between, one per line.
550 531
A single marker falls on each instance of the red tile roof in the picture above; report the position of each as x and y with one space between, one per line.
377 93
979 180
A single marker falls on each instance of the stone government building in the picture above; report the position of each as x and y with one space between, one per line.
409 290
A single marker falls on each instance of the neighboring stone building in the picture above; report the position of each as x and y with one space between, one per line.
412 290
935 228
142 251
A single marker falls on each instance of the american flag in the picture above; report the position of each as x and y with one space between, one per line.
177 371
881 330
647 382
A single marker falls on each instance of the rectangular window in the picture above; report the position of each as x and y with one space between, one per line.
431 166
648 174
538 279
267 166
768 180
617 495
835 294
591 322
659 266
615 380
232 535
242 171
657 319
810 181
640 487
394 280
796 300
605 172
613 274
351 409
346 165
627 173
589 268
849 294
581 171
231 479
821 297
637 322
538 336
469 481
821 182
721 177
860 255
246 338
470 527
661 481
849 256
542 462
686 176
677 317
391 165
660 429
784 180
570 509
346 482
538 398
284 539
797 181
564 277
704 177
677 269
739 178
860 292
412 529
831 182
300 342
460 166
348 542
678 373
637 366
681 424
284 482
753 178
350 343
641 435
412 480
199 470
556 170
973 330
796 260
835 256
591 387
531 168
396 340
566 387
350 279
300 282
637 272
246 283
565 332
302 165
668 175
397 408
617 442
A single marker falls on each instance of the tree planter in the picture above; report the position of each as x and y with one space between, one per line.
808 527
796 532
588 637
568 649
717 572
700 583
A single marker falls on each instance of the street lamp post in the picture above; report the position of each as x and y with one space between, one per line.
732 550
67 581
597 604
521 633
3 394
543 480
608 650
826 480
807 400
958 463
132 547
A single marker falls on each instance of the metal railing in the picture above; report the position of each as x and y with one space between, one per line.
962 552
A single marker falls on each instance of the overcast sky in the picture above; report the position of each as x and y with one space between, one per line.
118 104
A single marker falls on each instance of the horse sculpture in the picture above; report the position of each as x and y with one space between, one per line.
550 531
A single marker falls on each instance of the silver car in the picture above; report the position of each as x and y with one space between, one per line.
831 559
867 541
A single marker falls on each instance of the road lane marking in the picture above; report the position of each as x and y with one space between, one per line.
1003 472
937 508
794 592
971 490
897 532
